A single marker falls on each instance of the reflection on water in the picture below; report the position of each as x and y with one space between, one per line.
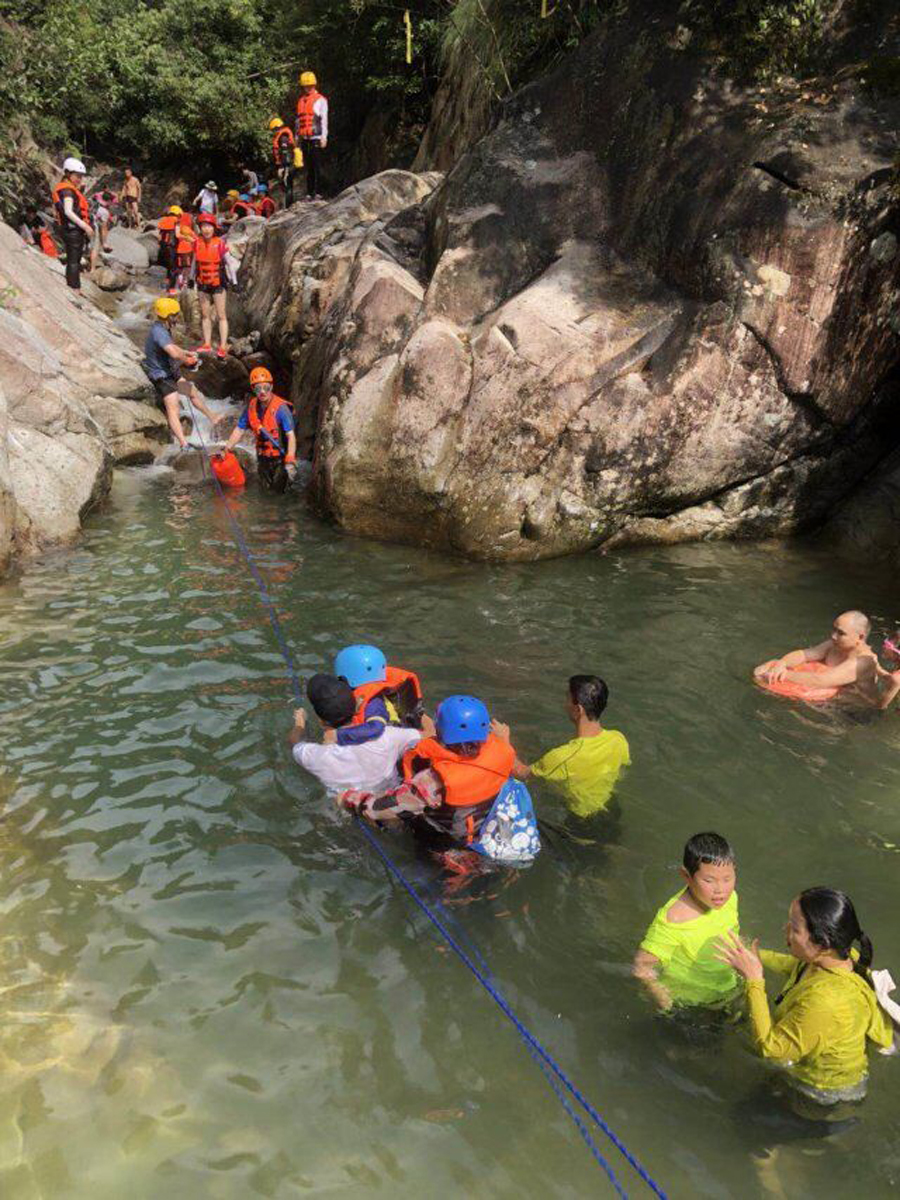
209 986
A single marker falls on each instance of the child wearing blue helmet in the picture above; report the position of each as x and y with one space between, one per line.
457 787
384 695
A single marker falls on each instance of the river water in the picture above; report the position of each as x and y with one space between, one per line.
210 987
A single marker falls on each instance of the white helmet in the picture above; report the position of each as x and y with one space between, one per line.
74 164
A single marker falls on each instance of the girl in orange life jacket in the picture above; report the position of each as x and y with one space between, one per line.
210 276
270 419
458 790
184 249
283 153
166 232
384 695
73 217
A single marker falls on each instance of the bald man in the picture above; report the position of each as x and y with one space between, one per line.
843 653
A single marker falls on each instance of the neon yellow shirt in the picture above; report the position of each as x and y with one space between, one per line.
686 951
585 770
821 1025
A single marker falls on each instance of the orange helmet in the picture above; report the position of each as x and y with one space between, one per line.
261 375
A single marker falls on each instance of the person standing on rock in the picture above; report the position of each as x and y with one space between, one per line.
163 360
283 146
167 234
312 130
270 418
131 199
101 213
73 217
184 250
211 268
207 199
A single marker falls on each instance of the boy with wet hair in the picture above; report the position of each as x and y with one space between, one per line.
676 960
585 769
370 766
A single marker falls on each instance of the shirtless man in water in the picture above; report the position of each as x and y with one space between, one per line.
847 654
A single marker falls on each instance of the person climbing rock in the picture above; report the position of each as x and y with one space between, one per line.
283 147
265 205
33 229
272 423
312 130
131 193
211 268
73 218
250 178
207 199
167 234
163 360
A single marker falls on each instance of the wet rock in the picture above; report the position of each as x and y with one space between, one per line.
221 378
72 389
632 312
109 280
244 346
127 250
150 242
242 232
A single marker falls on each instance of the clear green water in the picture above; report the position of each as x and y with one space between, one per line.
208 987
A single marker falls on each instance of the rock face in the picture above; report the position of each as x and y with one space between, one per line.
648 306
71 403
127 249
868 525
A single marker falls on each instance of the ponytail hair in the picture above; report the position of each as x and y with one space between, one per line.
833 924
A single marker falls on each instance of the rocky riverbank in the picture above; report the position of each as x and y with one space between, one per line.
72 403
648 306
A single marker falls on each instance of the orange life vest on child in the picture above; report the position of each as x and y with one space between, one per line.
467 781
209 261
185 246
306 118
282 142
166 226
81 205
45 240
269 423
396 679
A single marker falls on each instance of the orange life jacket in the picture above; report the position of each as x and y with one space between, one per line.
396 679
81 205
241 208
44 239
266 207
269 423
306 118
166 226
281 143
185 224
467 781
209 261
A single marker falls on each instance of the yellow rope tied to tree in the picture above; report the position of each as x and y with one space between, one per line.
408 23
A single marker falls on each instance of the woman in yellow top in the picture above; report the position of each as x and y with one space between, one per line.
826 1011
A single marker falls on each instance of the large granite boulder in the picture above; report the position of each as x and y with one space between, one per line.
127 249
72 403
647 306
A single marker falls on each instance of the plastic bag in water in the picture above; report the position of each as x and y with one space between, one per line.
509 833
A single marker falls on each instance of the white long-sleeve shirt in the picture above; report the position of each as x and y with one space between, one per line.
320 121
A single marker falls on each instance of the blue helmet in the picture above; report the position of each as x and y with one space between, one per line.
244 196
462 719
361 664
262 188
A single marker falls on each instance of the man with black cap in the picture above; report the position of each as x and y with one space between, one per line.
370 766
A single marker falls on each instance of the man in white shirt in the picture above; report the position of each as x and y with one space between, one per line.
369 766
207 199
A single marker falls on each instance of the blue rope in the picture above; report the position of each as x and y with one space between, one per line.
551 1070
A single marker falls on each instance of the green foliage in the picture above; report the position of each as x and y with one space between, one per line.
757 39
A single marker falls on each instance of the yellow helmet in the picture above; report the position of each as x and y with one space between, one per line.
166 307
308 79
232 193
175 211
276 123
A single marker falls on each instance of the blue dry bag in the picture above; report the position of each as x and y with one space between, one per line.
509 833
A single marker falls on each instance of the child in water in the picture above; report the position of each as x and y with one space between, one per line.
586 768
677 961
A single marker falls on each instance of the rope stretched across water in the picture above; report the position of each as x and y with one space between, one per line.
552 1071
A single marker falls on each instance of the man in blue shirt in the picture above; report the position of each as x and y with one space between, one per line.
162 359
272 422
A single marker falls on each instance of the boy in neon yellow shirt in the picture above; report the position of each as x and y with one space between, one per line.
585 769
678 959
